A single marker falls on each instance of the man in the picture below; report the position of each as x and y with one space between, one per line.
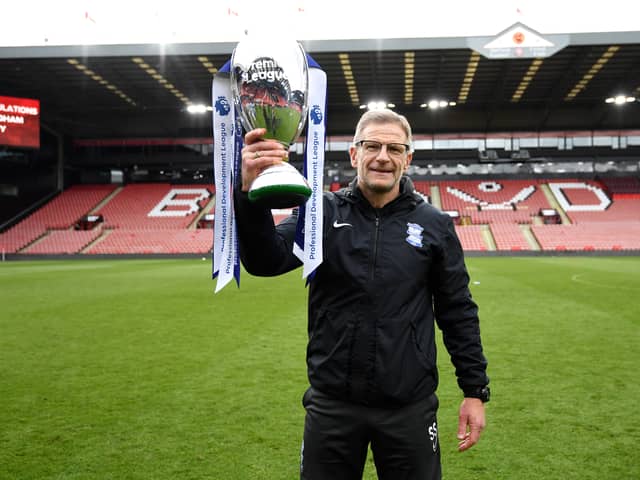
392 265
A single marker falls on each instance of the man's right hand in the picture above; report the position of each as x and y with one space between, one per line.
258 154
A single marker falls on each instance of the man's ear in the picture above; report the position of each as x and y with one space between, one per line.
352 155
408 162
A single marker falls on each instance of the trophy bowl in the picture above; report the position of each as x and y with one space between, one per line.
269 85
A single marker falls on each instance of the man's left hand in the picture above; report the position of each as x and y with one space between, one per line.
471 422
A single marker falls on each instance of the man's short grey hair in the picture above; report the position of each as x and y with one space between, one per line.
383 116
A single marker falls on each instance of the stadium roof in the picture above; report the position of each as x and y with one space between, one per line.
143 92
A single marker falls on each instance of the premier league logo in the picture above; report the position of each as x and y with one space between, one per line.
316 115
222 106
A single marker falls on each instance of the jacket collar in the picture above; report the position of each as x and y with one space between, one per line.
408 195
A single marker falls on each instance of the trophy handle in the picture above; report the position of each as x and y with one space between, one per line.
280 186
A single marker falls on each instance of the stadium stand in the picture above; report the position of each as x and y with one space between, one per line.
154 206
17 238
159 218
471 237
621 186
154 219
60 213
589 236
163 241
422 187
488 202
58 242
139 218
509 236
588 201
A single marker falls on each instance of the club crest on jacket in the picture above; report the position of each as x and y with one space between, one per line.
414 234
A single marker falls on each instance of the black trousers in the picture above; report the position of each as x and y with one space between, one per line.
337 434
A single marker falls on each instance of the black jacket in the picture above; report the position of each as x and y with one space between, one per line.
386 274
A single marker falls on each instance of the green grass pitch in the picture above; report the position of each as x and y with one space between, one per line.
134 369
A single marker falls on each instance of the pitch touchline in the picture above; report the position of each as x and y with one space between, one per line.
576 278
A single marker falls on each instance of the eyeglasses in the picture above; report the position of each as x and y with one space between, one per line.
371 147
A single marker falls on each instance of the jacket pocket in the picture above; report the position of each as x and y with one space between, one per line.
424 348
328 352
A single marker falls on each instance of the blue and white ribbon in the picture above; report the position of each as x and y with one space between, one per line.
308 241
226 157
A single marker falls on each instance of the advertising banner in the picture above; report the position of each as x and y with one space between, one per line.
19 122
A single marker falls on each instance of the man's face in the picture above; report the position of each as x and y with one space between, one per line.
380 170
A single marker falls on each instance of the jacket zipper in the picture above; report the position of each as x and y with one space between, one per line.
375 248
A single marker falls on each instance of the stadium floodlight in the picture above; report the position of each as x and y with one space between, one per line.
377 105
436 104
620 99
197 109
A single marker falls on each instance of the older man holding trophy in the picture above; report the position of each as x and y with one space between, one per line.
382 267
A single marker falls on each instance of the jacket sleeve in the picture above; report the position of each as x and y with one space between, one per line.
456 312
265 249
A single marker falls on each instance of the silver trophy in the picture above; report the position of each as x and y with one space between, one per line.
269 84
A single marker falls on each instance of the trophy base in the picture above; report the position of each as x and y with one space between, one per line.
280 186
